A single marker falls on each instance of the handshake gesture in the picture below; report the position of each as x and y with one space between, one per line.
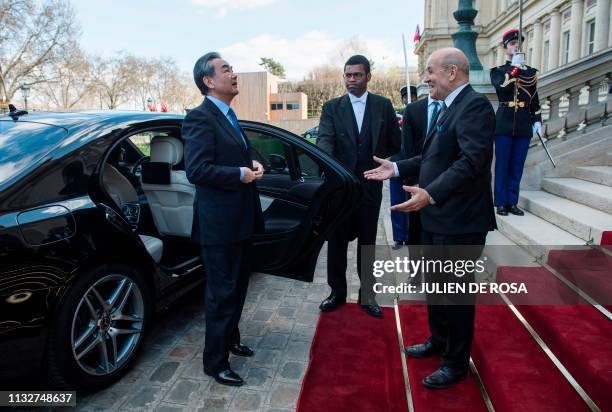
419 199
255 173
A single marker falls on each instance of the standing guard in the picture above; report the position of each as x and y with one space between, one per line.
518 118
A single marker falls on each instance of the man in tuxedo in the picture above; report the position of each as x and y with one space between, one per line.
226 210
455 202
353 128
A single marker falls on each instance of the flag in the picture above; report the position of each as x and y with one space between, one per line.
164 106
417 34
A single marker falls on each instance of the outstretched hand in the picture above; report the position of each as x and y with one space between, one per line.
420 198
383 172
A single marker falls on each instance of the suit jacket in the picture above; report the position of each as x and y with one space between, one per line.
455 167
225 209
338 135
414 127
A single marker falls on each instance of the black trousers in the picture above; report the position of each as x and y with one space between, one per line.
227 280
362 224
451 316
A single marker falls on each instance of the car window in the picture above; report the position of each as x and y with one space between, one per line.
143 142
270 151
309 166
23 145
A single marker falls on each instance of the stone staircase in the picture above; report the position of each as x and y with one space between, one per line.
572 207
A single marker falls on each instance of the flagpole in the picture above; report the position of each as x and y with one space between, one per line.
408 97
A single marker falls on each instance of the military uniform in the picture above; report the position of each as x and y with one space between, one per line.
518 112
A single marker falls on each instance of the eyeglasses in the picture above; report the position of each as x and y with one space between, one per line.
356 76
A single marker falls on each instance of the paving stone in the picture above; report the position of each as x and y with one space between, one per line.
259 378
254 328
267 357
214 405
286 312
164 340
166 407
298 350
165 372
183 352
293 371
247 401
184 392
262 315
145 399
273 341
283 395
281 325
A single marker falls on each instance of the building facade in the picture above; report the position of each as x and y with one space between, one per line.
557 32
259 99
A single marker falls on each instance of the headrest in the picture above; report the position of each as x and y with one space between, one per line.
165 149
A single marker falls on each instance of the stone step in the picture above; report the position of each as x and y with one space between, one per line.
609 159
587 193
597 174
579 220
535 234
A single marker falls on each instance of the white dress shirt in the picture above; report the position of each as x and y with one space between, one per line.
359 106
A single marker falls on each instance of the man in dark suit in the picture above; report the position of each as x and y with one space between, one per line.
414 127
226 210
456 204
353 128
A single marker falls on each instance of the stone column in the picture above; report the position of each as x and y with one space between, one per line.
536 59
555 39
602 24
576 30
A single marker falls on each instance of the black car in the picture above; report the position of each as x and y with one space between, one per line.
94 239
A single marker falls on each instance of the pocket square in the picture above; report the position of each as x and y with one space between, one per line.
439 128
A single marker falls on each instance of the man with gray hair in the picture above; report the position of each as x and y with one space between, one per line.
455 202
226 209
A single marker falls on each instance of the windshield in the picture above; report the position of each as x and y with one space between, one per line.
23 145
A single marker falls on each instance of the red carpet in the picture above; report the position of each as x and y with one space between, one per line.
465 396
578 335
354 364
590 270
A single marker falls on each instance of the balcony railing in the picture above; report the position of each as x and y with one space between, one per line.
576 95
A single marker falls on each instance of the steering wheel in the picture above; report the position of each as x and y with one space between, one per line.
136 167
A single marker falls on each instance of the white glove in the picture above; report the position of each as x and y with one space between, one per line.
518 59
537 128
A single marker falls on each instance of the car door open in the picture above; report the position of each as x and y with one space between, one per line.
304 192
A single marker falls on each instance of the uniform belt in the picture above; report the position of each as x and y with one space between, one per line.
512 104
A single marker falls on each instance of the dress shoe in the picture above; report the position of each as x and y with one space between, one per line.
239 349
226 376
373 309
398 245
444 378
422 350
515 210
332 302
501 210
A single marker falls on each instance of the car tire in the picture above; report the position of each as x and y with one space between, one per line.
98 329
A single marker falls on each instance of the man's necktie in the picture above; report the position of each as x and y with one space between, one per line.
234 121
434 115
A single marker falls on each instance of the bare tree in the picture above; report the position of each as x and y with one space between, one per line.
69 80
114 79
32 35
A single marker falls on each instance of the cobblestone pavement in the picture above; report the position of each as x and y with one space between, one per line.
278 321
